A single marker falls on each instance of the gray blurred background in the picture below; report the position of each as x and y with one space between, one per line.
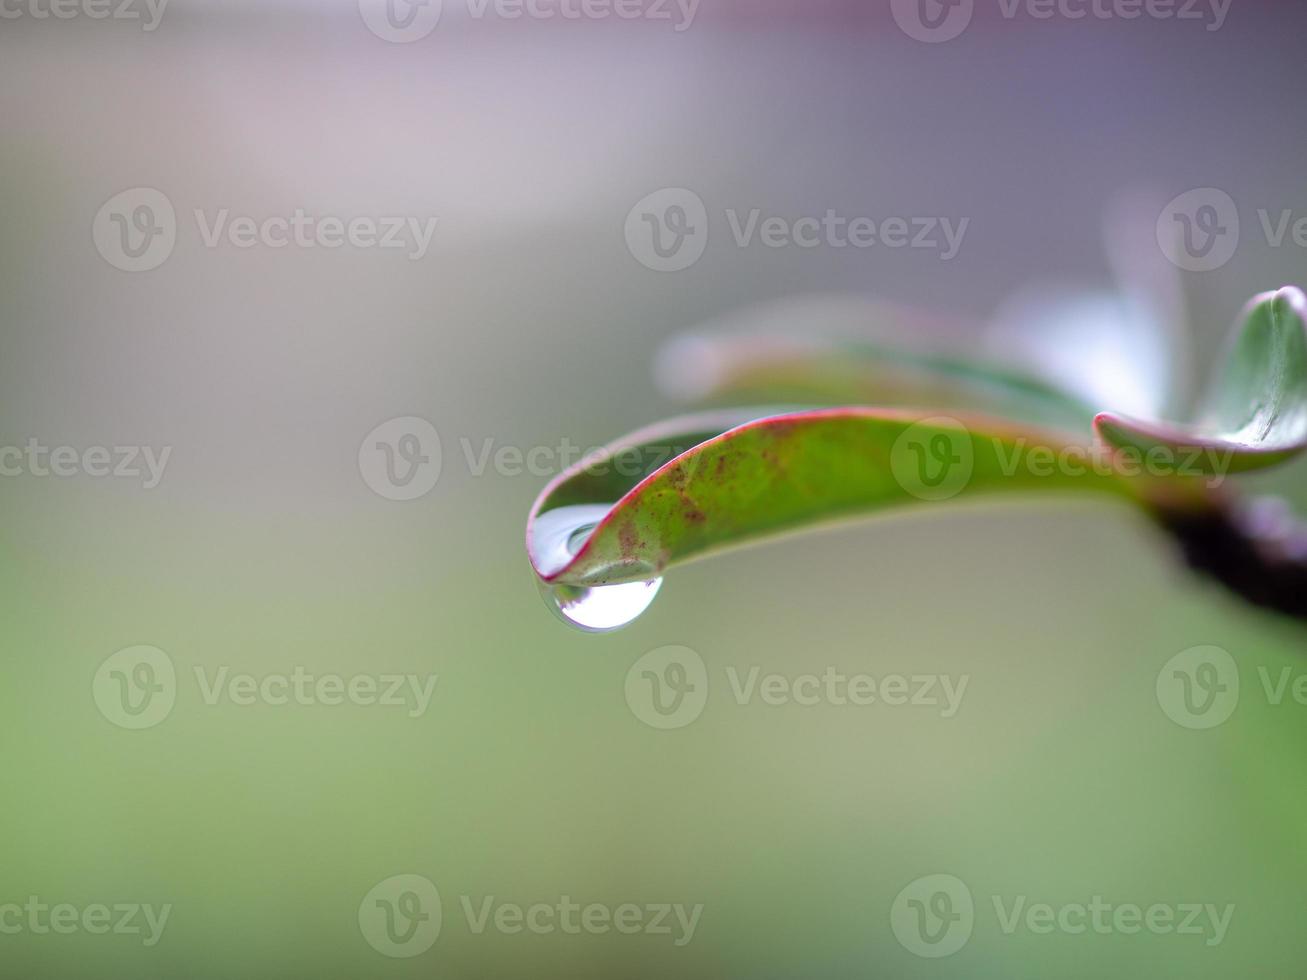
528 321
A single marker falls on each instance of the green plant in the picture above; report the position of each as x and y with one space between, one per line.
939 428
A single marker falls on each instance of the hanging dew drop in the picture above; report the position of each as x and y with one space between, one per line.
558 535
602 608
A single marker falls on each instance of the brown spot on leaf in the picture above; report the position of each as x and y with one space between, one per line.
628 538
782 428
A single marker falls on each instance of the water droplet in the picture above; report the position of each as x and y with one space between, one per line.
601 608
556 538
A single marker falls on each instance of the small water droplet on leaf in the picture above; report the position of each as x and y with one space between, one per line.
599 609
558 536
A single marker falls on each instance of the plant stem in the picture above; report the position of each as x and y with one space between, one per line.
1256 548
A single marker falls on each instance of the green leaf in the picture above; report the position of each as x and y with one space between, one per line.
738 368
692 486
1160 296
1255 413
1104 349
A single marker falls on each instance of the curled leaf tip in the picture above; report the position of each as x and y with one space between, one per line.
1254 414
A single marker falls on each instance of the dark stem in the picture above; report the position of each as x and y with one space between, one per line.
1256 548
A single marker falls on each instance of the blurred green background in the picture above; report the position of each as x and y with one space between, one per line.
529 777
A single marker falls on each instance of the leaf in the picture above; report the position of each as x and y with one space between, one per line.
730 356
814 370
1254 415
1126 348
728 482
1162 296
1102 348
